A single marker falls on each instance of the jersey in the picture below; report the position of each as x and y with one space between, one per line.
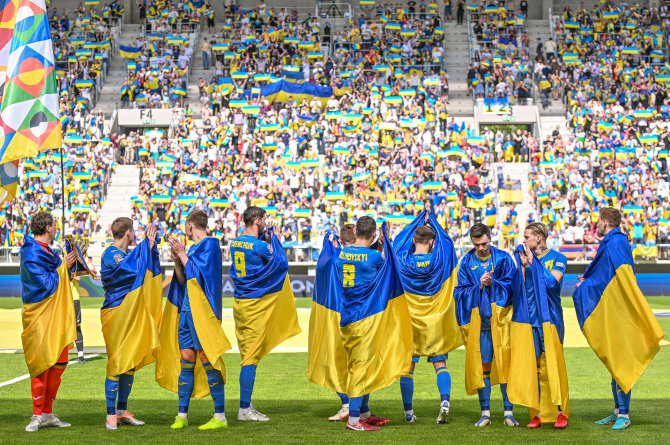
551 261
186 304
479 266
249 254
420 260
111 257
357 266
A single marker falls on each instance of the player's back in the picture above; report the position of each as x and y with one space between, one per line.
249 254
357 266
420 261
111 258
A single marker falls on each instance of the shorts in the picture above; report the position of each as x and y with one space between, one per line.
486 346
538 340
433 359
188 338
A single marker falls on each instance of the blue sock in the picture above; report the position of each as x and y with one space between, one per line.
111 391
216 387
365 408
507 406
624 400
186 382
355 406
443 383
407 390
614 394
485 393
344 398
125 385
247 379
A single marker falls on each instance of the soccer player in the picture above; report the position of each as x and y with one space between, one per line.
418 275
127 328
358 266
203 257
615 317
484 292
554 265
49 324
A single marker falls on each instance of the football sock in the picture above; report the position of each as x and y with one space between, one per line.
485 393
38 388
344 398
111 391
53 383
506 403
125 385
355 409
407 390
216 387
247 379
365 408
624 401
186 382
616 399
443 383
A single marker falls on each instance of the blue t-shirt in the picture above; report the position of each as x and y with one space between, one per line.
249 254
110 259
358 266
186 305
420 260
551 260
479 266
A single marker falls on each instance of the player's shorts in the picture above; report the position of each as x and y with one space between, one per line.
486 346
538 339
433 359
188 338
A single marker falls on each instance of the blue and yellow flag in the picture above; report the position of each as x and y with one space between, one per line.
377 329
522 382
203 286
49 324
614 314
326 356
132 310
495 302
264 307
430 290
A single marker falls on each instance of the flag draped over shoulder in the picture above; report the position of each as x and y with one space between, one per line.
430 290
29 110
49 324
264 307
377 329
522 382
326 357
494 301
203 286
614 314
130 323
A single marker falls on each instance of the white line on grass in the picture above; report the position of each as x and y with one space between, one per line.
27 376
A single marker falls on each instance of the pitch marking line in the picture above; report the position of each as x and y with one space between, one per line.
27 376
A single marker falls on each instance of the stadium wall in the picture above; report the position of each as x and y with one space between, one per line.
653 279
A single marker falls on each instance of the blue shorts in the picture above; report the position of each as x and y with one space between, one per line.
538 339
433 359
486 346
188 338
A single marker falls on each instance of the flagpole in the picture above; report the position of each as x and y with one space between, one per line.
62 181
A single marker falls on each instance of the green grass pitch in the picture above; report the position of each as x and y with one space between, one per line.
298 409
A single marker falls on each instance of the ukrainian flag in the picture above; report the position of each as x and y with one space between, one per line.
479 200
203 286
522 383
372 315
430 290
494 301
48 309
491 217
264 307
130 52
132 310
614 314
326 356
